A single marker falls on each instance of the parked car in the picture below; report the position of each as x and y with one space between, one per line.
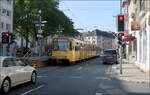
110 57
13 72
23 50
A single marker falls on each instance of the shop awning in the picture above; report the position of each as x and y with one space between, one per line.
128 38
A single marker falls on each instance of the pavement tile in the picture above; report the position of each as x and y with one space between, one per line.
131 73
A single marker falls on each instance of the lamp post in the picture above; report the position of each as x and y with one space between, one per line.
40 23
40 30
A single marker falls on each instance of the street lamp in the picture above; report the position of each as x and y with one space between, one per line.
40 23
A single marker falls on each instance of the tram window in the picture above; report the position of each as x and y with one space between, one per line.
77 48
70 45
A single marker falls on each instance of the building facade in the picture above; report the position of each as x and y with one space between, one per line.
6 21
137 14
101 38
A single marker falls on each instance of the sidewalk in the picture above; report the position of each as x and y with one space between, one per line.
38 61
130 73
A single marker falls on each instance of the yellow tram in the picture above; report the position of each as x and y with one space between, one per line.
72 50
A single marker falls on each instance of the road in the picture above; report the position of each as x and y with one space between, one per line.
85 78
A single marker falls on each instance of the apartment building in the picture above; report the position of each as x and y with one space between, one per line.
137 13
101 38
6 21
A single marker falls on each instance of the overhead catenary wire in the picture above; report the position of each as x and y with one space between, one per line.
74 16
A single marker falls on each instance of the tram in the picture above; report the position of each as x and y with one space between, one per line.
72 50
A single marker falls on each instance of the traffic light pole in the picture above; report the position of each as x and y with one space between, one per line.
120 59
121 40
8 46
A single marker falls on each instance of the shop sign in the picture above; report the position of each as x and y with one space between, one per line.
135 25
129 38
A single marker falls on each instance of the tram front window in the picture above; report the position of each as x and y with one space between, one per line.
61 46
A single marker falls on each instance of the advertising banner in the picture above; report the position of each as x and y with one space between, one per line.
135 25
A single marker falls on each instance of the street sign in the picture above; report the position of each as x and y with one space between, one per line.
44 22
39 36
40 24
40 31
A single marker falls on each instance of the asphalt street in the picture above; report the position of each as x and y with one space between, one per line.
85 78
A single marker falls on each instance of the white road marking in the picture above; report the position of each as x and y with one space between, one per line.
41 76
32 90
75 77
79 68
103 78
108 71
99 94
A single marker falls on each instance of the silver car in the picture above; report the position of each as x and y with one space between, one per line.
110 57
13 72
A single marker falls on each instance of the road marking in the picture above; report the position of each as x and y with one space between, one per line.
41 76
99 94
103 78
79 68
108 71
32 90
75 77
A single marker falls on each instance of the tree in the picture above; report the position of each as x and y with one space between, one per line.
26 13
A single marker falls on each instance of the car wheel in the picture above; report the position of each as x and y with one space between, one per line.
33 78
6 86
104 63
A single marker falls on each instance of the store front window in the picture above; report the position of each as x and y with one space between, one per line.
140 48
144 46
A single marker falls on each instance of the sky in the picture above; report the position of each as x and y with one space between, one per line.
92 14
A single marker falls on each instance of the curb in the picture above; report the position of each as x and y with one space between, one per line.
134 81
117 76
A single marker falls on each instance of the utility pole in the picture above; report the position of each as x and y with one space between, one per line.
121 45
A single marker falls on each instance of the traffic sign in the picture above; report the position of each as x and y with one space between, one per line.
39 36
40 31
40 24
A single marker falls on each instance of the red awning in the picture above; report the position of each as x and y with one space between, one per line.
130 38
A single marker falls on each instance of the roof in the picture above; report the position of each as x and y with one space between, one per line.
99 33
3 57
104 33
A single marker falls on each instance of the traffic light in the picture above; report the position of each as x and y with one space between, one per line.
120 23
5 37
120 36
12 38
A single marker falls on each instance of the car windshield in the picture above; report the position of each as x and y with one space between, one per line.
108 52
60 46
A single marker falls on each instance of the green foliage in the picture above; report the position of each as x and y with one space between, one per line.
26 13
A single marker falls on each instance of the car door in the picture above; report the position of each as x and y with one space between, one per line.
21 74
26 69
10 70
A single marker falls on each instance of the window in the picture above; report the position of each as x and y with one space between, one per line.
61 45
2 24
8 62
19 62
3 11
9 1
70 45
7 27
8 13
142 5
